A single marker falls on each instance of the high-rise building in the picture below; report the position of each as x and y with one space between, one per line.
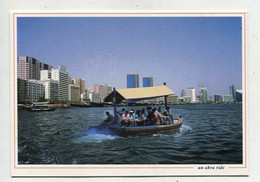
103 90
34 90
132 80
62 76
183 93
218 98
45 74
51 89
192 94
203 95
232 92
21 90
29 68
147 81
74 93
80 82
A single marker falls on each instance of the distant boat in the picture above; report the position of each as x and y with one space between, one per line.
136 94
42 108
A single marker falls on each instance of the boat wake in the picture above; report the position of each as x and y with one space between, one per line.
94 135
183 130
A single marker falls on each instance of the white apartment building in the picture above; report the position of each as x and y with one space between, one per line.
192 94
62 76
51 89
34 90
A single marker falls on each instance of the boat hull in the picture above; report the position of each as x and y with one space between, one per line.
147 130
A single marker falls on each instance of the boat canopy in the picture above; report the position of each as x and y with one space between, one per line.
141 93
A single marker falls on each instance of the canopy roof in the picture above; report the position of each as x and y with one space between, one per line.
141 93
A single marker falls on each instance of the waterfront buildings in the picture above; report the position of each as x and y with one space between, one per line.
51 88
103 90
80 82
29 68
74 93
147 81
227 98
132 80
62 76
218 98
183 93
192 94
172 100
203 95
21 90
34 90
187 99
94 97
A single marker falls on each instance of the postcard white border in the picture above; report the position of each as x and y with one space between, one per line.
122 170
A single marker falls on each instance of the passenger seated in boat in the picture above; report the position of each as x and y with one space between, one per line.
169 117
109 118
144 117
151 119
118 118
139 119
163 120
131 118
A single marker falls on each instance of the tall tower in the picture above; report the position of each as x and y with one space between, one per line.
192 94
203 95
232 92
147 81
132 80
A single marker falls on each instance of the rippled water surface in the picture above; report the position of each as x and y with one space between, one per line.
211 134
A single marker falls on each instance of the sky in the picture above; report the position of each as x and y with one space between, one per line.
181 51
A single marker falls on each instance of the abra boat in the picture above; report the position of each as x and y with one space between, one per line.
136 94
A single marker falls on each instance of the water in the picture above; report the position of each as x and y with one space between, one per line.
211 134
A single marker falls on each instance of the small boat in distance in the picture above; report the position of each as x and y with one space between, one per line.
131 95
41 106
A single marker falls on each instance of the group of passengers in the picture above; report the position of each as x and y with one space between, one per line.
144 117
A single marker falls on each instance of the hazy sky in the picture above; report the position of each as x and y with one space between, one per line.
183 52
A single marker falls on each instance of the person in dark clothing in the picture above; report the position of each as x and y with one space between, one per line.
109 118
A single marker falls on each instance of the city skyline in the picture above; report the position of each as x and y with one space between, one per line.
185 52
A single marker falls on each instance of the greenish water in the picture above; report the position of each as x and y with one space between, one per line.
211 134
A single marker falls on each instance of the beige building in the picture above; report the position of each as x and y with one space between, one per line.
74 93
80 82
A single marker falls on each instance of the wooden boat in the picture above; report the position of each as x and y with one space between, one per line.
136 94
147 130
